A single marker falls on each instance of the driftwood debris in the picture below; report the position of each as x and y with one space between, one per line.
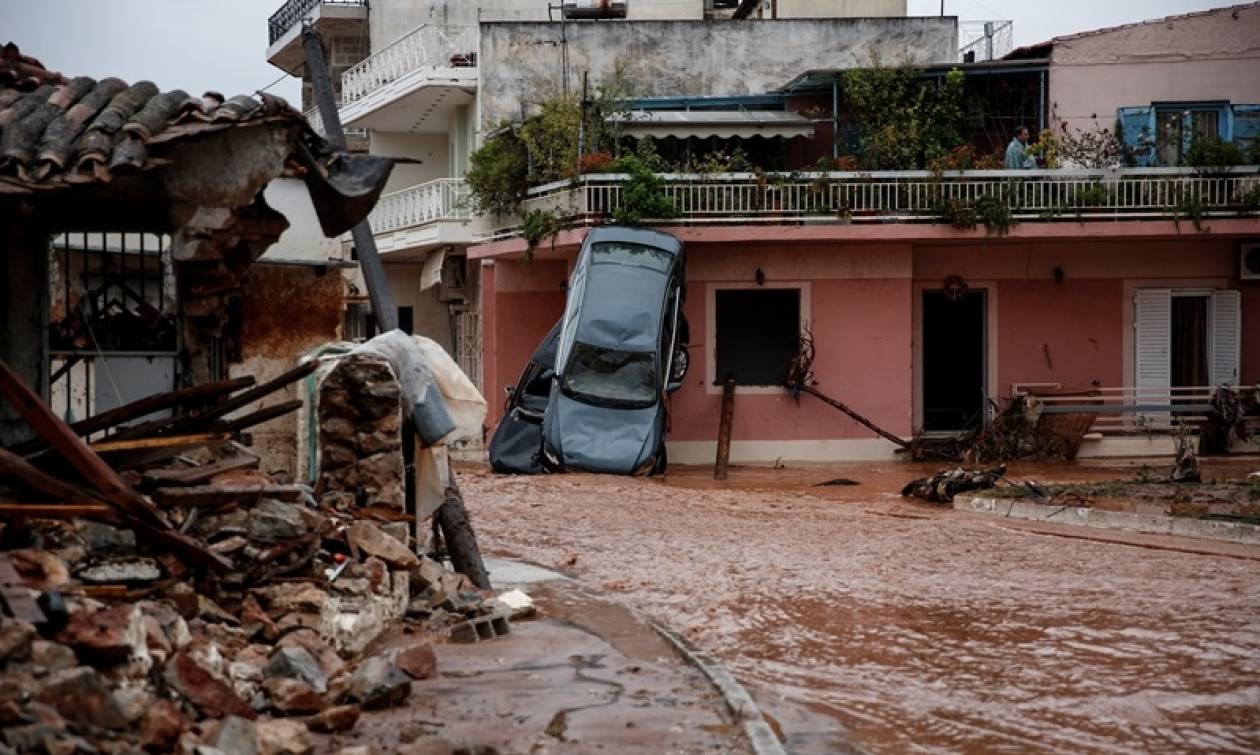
799 378
947 483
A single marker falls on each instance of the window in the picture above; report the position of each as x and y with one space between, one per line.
1177 127
758 333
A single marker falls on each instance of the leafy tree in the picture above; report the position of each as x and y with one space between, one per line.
903 120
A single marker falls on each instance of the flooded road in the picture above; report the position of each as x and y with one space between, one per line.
911 627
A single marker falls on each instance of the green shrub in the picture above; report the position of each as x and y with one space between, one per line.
497 174
1213 152
536 226
643 195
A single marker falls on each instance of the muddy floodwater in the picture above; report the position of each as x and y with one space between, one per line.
855 617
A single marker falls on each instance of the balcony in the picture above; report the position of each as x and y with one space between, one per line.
1180 194
414 84
412 221
284 28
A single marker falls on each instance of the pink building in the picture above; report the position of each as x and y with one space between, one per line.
1148 293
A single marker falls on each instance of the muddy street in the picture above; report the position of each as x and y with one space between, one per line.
906 627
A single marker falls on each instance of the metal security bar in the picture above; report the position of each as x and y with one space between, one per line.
113 324
292 13
426 47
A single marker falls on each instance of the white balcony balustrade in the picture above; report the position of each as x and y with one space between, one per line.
427 48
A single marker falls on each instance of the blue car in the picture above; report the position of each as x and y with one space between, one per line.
622 347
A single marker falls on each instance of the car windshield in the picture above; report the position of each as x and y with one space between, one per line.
634 255
611 377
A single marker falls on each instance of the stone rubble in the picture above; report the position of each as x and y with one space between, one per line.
157 654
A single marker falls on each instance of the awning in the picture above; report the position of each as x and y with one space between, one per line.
431 271
724 124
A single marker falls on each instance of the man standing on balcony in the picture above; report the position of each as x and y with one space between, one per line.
1017 157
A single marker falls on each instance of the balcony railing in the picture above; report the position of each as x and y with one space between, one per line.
916 196
292 13
443 199
427 47
317 125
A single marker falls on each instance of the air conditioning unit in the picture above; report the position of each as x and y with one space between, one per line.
594 8
1249 262
454 285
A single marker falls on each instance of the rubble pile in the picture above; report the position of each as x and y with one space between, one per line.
947 483
360 433
182 601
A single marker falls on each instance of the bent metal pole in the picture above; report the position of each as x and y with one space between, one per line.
451 516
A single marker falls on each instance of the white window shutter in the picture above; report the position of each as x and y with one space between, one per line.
1152 342
1226 336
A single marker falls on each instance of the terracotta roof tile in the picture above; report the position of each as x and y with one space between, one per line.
56 131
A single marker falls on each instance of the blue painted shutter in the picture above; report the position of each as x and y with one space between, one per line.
1137 124
1246 125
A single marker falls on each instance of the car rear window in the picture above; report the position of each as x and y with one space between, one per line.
634 255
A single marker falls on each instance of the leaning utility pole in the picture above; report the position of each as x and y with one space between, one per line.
451 516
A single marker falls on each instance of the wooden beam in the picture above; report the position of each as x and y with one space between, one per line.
204 496
85 509
191 422
198 475
260 416
15 468
724 429
146 444
147 405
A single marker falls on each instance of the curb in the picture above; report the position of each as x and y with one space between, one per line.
1083 516
738 701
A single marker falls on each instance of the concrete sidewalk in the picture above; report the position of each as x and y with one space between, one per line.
585 676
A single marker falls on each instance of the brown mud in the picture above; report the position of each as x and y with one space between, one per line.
913 627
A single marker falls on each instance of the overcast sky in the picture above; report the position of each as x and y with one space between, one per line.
199 45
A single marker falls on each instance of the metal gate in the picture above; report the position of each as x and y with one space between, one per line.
113 334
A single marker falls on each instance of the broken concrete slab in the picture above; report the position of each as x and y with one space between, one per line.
372 540
297 663
80 695
376 683
212 695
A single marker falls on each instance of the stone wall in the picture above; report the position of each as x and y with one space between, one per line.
360 435
520 62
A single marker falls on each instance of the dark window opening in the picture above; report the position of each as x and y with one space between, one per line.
1189 346
758 333
953 361
407 320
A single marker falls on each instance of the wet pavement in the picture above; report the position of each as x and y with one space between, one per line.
851 613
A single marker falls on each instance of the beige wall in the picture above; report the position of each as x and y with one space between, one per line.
433 150
1207 56
432 318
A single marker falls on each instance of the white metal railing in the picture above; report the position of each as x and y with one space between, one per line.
1128 410
917 196
317 124
443 199
426 47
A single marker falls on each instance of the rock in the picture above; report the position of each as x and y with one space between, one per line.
293 696
335 719
253 613
173 625
184 599
107 636
101 539
276 521
400 531
237 736
329 662
377 683
517 604
39 569
16 637
428 574
418 661
368 538
208 610
357 750
246 678
134 700
297 663
285 598
52 656
377 575
283 736
121 570
161 727
210 694
80 695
